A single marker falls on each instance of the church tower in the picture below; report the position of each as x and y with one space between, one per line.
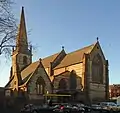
22 54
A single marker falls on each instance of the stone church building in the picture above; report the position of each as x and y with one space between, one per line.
83 74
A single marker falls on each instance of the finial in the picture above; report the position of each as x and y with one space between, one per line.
62 47
97 38
22 7
40 59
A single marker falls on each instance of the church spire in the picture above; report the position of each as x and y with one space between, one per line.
21 41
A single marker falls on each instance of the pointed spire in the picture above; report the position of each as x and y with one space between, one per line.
21 40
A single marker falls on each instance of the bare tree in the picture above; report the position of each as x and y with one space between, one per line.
8 27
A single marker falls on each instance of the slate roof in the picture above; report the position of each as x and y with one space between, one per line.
75 57
31 68
46 61
69 59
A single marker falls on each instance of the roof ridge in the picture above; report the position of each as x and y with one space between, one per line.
81 49
50 55
46 61
69 52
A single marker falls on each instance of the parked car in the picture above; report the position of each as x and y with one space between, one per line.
118 107
86 108
97 108
69 109
29 108
110 106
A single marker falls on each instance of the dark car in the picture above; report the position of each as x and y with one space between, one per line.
96 108
86 108
29 108
68 109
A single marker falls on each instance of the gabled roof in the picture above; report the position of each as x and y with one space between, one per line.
31 68
75 57
69 59
27 78
25 74
46 61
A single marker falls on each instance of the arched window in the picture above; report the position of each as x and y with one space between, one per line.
25 60
63 84
97 69
73 81
40 85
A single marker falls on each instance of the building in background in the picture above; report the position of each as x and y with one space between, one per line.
114 91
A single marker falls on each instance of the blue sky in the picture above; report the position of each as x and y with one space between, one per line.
72 24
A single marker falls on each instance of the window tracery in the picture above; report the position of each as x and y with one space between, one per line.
40 85
97 69
73 81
